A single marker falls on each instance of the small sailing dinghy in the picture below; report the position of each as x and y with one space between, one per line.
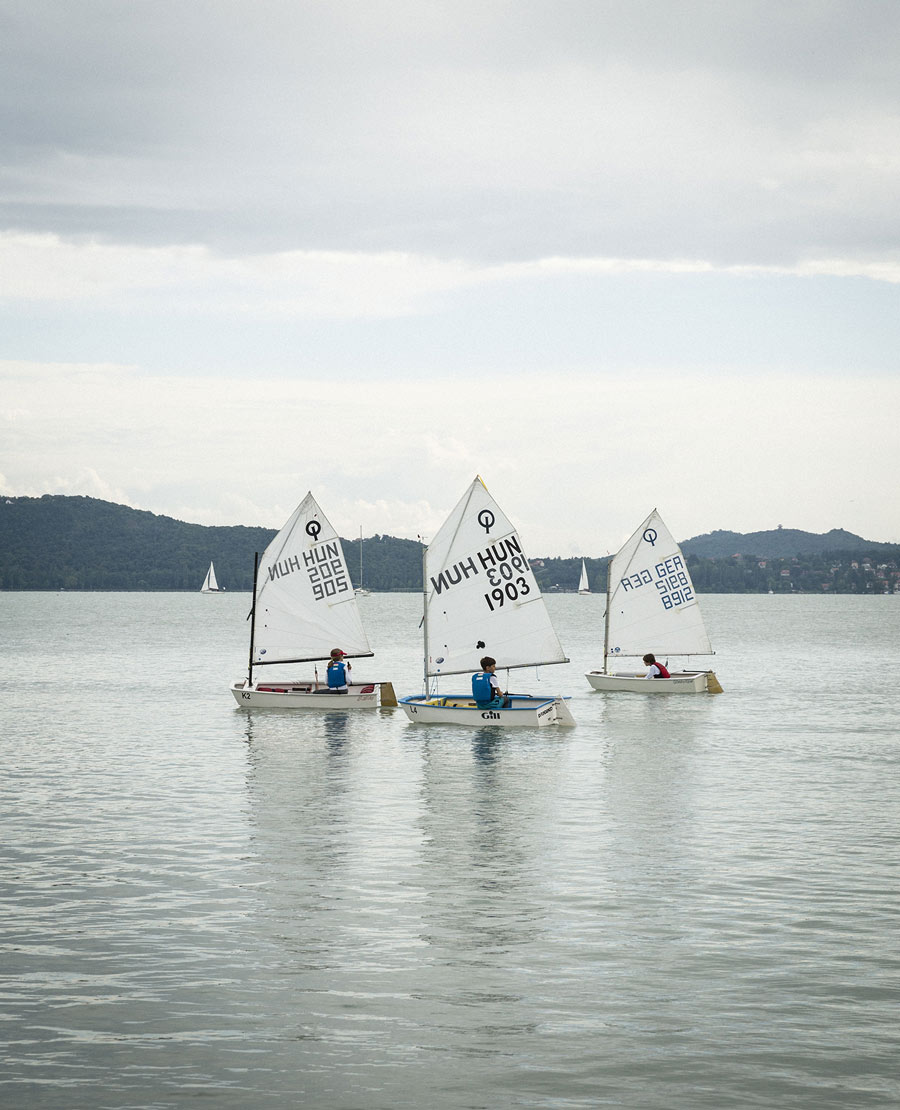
481 598
210 585
303 607
583 587
651 607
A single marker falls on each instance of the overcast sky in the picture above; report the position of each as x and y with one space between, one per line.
609 255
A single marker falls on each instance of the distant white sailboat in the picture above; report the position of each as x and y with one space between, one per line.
583 587
481 598
304 606
651 607
361 591
210 585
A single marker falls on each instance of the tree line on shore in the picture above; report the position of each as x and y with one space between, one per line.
81 543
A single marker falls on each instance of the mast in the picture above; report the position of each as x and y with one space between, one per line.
425 615
360 558
606 616
253 619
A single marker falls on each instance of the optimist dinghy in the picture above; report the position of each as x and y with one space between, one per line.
651 607
481 598
304 605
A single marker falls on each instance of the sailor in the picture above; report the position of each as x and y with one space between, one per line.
654 669
486 687
338 672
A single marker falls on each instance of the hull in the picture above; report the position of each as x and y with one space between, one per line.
301 695
524 711
681 682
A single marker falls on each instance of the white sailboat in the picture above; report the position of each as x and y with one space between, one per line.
303 607
361 591
210 585
651 606
583 587
481 598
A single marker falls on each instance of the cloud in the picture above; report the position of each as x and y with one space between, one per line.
315 284
575 466
748 133
570 245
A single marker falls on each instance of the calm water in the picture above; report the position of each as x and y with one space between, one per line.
684 902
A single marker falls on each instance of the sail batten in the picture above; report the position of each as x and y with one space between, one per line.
651 603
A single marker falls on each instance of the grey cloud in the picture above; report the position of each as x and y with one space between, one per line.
703 129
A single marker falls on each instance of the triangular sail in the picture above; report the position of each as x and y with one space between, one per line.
583 587
305 604
481 597
651 604
210 585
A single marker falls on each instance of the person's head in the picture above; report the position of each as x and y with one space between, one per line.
488 664
337 654
649 658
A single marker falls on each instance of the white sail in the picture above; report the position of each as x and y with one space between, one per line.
210 585
651 603
305 604
481 597
583 587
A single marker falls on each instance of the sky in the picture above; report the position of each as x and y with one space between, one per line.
610 256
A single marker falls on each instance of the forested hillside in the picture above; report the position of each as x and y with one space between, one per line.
778 543
81 543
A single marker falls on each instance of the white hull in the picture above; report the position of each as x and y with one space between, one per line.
301 695
681 682
461 710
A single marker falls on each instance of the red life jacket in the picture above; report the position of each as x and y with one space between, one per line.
663 673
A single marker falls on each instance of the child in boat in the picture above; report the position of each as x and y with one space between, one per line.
654 669
338 672
486 686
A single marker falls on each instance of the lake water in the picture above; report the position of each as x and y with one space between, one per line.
682 903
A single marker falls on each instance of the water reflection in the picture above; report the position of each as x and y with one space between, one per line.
482 819
487 744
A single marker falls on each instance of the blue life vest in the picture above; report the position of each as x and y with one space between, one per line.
337 676
482 690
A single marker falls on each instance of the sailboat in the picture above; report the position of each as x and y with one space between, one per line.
651 606
303 607
210 585
481 598
583 587
361 591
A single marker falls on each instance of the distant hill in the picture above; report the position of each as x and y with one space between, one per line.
779 543
81 543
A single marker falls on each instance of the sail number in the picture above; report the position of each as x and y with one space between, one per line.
506 585
511 590
674 590
670 579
